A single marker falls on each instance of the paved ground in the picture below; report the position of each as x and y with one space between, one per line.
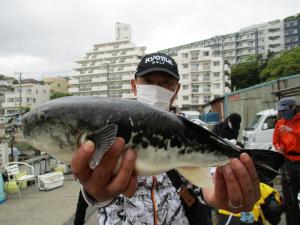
55 207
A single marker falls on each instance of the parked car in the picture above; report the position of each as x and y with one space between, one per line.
194 117
259 134
190 114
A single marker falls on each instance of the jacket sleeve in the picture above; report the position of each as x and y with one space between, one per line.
93 202
276 141
215 129
296 131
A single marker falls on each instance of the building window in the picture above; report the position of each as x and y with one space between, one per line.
205 53
194 67
216 63
195 88
185 55
206 98
194 55
216 74
206 66
28 91
185 87
185 65
185 97
185 76
216 85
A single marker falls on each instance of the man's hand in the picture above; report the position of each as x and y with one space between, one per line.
284 128
236 186
101 183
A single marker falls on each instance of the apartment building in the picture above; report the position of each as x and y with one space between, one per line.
203 77
108 68
31 96
292 31
57 84
5 86
234 47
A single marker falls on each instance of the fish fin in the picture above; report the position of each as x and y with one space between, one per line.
102 139
266 162
199 176
206 137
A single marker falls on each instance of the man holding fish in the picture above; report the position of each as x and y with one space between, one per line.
124 198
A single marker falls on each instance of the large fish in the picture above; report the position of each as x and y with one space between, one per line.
162 140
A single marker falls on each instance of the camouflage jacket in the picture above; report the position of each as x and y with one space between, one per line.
139 209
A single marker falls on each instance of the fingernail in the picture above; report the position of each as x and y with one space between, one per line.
88 146
130 154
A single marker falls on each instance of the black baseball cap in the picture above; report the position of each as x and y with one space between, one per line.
157 62
235 120
285 103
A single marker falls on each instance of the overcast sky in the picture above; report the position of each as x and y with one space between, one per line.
45 37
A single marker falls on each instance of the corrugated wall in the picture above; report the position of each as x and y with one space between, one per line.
249 101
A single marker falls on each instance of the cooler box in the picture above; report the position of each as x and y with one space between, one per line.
2 194
50 181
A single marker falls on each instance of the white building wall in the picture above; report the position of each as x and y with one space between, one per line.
108 69
202 77
123 31
32 95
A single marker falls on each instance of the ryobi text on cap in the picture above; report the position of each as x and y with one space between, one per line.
158 59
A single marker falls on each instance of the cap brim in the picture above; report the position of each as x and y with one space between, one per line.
282 107
145 72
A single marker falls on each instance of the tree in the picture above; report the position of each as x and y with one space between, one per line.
25 109
285 64
245 74
248 72
58 95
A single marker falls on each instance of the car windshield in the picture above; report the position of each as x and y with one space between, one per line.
255 122
193 117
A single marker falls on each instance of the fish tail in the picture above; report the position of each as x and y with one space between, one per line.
266 162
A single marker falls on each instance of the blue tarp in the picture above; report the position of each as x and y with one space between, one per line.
210 117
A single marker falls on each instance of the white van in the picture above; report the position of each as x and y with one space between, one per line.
193 116
259 134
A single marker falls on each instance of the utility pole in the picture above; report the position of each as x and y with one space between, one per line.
108 82
20 86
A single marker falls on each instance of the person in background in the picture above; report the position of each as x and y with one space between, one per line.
128 199
80 210
268 208
229 128
286 139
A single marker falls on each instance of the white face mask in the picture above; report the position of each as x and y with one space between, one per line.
154 95
229 124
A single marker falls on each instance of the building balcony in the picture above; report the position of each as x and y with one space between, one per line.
73 90
10 104
128 77
73 81
95 88
127 95
126 86
103 88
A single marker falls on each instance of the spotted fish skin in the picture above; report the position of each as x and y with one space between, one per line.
162 140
